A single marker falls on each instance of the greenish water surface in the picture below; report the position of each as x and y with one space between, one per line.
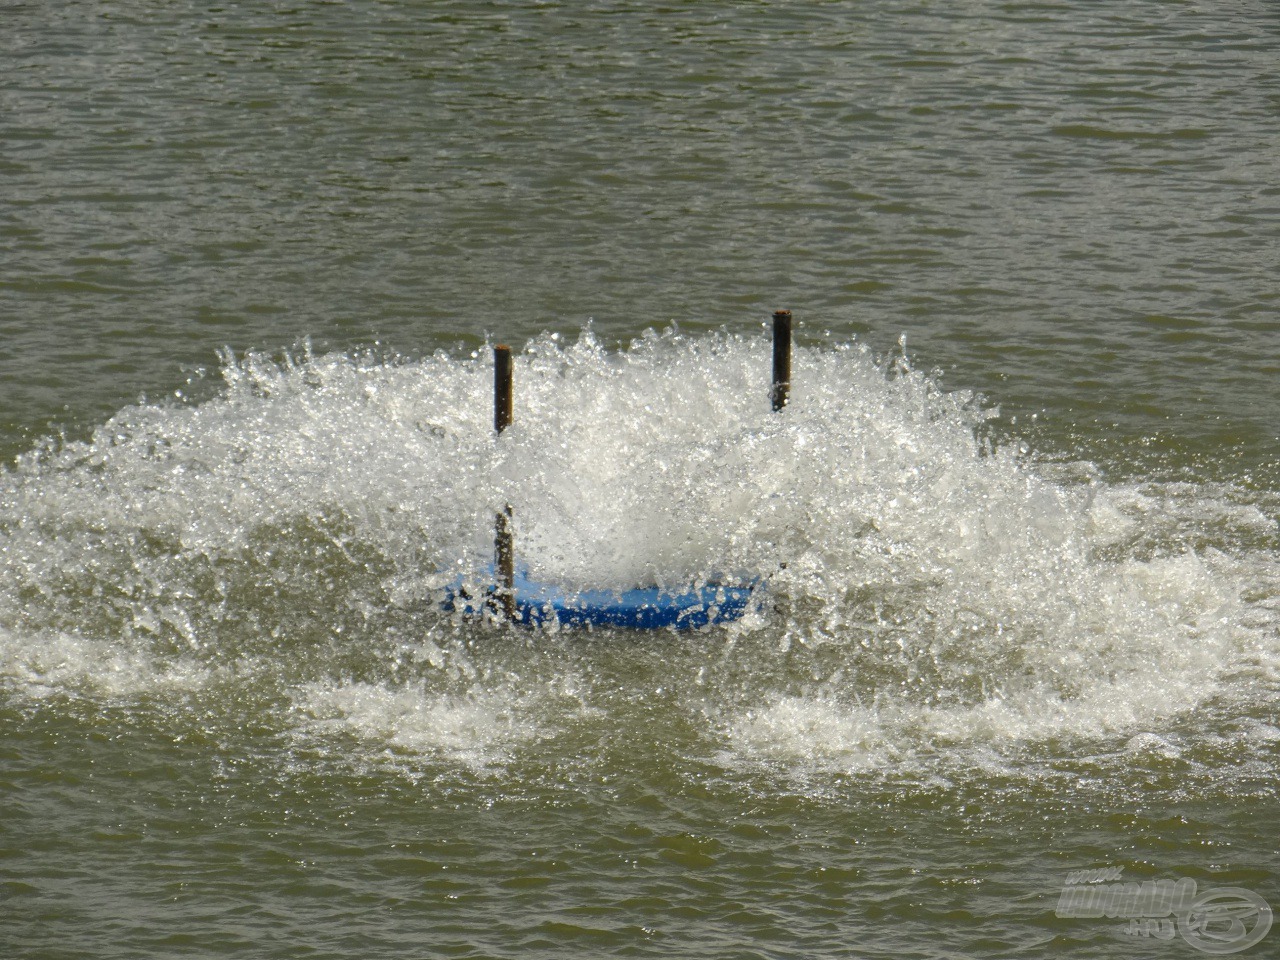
1020 523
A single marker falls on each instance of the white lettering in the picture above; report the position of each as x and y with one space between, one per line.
1076 902
1160 929
1099 875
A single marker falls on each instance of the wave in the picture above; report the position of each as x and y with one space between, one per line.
928 590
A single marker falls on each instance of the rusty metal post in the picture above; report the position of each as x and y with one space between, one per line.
781 389
504 554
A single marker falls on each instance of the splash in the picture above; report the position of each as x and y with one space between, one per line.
927 590
480 730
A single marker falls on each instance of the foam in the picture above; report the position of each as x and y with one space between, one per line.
54 665
479 730
943 593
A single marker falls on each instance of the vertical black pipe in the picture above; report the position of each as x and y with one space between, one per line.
781 359
504 553
502 404
504 561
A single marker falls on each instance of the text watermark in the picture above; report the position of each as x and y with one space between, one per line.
1219 921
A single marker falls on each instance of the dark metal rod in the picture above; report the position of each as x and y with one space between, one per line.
504 551
504 561
781 389
501 387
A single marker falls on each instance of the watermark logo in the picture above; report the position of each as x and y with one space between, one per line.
1218 921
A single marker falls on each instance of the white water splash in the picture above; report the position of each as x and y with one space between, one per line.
50 665
479 730
924 589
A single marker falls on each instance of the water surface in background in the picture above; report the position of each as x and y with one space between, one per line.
1073 208
1002 640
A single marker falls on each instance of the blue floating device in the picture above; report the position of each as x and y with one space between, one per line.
643 608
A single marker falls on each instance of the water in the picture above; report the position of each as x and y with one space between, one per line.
1023 602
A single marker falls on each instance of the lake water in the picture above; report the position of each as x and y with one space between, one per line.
1020 523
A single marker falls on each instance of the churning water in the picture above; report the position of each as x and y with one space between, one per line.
259 574
1021 604
929 592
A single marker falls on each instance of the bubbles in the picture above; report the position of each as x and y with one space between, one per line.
53 665
928 592
480 731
